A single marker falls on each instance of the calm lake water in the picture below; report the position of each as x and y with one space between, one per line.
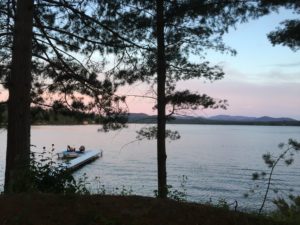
217 160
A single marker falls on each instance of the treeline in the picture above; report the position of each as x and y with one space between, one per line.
62 116
52 116
146 119
222 122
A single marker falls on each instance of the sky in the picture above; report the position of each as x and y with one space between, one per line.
261 80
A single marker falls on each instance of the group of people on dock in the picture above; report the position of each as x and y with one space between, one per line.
73 149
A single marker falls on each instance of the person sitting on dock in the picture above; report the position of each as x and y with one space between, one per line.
81 148
70 149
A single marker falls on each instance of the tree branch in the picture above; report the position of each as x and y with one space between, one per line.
87 17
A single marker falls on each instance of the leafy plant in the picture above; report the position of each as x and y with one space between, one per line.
48 176
100 189
123 191
287 156
179 195
222 203
288 211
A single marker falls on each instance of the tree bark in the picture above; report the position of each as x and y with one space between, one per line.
161 102
19 85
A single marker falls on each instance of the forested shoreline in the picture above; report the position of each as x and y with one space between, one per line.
64 116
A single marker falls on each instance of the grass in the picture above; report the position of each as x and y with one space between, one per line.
49 209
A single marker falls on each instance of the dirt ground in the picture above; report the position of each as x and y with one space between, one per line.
43 209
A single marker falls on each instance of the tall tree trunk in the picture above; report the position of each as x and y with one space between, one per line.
161 102
19 85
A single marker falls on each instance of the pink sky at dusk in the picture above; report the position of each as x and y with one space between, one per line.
247 99
262 80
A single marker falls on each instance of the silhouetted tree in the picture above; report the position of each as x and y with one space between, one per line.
19 84
166 36
288 34
48 48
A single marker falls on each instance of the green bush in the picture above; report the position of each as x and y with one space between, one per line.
288 210
48 176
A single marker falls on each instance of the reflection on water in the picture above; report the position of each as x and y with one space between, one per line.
218 160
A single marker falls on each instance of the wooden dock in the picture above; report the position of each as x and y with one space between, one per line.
82 159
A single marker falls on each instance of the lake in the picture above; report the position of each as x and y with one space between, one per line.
217 160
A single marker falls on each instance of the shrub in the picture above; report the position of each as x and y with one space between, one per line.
48 176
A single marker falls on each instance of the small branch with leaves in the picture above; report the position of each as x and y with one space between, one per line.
287 156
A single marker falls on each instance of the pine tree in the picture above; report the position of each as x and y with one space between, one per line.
48 48
166 35
19 84
288 34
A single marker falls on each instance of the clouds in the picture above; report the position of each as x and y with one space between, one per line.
250 98
273 93
268 76
261 80
288 65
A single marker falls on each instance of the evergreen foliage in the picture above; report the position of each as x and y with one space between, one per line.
287 157
57 68
288 33
164 38
66 42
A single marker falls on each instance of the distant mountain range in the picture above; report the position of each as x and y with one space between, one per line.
219 119
249 119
